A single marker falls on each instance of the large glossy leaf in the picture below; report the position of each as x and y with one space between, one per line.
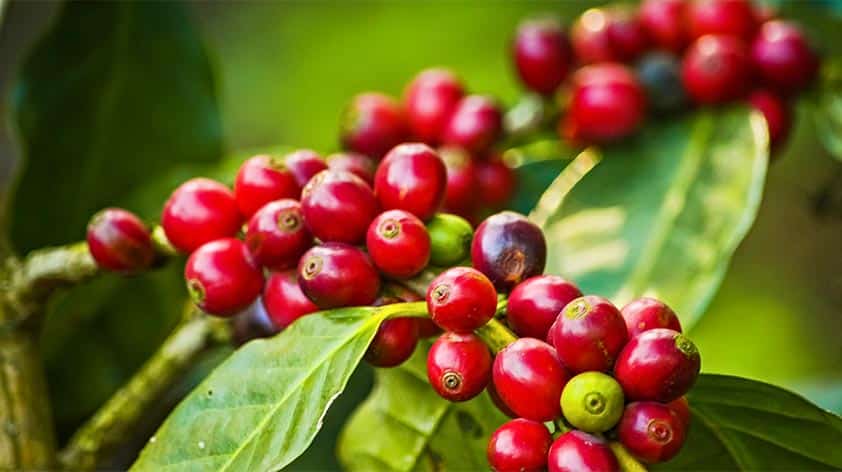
740 424
661 213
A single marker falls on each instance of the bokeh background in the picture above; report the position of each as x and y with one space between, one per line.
286 68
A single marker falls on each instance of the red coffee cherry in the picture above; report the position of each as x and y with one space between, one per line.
659 365
611 34
119 241
498 402
651 431
222 277
427 328
606 103
334 275
276 235
338 206
461 299
589 334
647 313
721 17
458 366
519 445
541 54
398 243
411 177
476 123
777 113
783 57
716 69
372 124
430 100
283 299
508 248
304 164
199 211
682 408
260 180
535 303
360 165
393 343
663 21
460 196
577 451
496 182
529 378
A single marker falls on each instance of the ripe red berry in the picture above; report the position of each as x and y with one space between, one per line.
577 451
119 241
461 299
726 17
535 303
519 445
589 334
276 235
783 57
338 206
651 431
222 277
460 196
542 54
529 378
372 124
682 408
658 365
777 113
358 164
260 180
430 100
496 183
716 69
304 164
411 177
647 313
498 402
398 243
611 34
606 103
664 23
393 343
458 366
334 275
508 249
475 124
199 211
283 299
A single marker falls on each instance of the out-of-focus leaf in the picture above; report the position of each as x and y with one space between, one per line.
536 166
826 392
827 109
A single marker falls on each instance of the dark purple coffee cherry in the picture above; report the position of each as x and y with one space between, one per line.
508 249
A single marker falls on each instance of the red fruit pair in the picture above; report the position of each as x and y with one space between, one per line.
263 179
612 34
119 241
430 101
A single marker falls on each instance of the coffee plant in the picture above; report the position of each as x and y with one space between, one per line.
525 278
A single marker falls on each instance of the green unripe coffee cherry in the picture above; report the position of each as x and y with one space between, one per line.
450 239
592 402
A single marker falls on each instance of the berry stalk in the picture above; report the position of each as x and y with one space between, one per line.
627 462
494 333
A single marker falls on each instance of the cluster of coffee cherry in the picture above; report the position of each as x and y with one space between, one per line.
664 55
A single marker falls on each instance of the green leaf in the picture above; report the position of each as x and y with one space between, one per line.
416 429
536 166
740 424
827 109
661 213
263 406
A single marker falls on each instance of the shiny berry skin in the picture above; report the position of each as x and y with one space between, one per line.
450 239
652 431
430 100
663 21
592 402
577 451
660 75
682 408
783 57
659 365
338 206
461 299
372 124
647 313
411 177
777 113
398 243
283 299
276 235
519 445
716 69
334 275
498 402
304 164
358 164
458 366
119 241
262 179
726 17
427 328
508 249
542 54
476 123
199 211
606 103
460 196
222 277
496 183
529 378
589 334
607 35
393 343
535 303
